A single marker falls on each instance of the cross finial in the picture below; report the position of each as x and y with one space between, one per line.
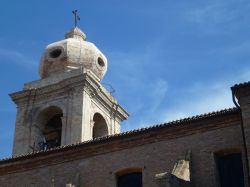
77 17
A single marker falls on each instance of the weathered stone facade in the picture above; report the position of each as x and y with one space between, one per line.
92 152
70 87
79 97
153 150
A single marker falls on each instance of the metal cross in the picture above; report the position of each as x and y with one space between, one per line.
77 17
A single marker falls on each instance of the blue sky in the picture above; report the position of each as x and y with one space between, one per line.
167 59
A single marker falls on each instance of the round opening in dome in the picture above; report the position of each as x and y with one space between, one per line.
55 53
100 62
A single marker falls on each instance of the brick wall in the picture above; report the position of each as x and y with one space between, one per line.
94 164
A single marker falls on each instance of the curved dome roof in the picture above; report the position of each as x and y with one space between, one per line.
73 52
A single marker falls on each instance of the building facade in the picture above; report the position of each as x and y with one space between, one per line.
68 133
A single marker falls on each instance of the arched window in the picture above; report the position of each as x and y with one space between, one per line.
50 126
100 126
131 177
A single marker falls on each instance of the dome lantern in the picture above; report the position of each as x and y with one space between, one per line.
75 33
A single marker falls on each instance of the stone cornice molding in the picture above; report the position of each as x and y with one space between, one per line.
82 82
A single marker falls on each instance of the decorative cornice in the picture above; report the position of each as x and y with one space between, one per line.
84 81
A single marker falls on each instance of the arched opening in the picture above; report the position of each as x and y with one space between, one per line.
100 126
50 126
131 177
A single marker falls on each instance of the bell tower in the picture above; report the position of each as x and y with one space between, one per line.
68 104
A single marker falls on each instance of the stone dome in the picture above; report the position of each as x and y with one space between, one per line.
73 52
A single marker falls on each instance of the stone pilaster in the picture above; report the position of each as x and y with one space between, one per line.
242 93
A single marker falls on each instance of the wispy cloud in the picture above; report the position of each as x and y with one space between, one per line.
17 57
206 97
219 16
148 95
216 12
157 93
202 97
137 68
137 84
210 101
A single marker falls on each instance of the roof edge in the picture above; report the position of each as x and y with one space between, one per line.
128 133
240 85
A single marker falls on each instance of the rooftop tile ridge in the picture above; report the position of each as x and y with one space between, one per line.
243 84
141 130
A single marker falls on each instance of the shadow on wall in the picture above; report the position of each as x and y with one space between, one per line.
100 127
49 124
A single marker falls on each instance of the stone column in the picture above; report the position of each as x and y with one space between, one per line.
64 130
91 127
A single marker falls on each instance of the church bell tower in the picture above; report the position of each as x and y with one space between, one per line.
68 104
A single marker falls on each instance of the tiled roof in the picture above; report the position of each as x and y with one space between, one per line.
241 85
129 133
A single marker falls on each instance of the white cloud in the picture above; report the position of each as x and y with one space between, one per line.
141 89
17 57
207 103
145 109
204 98
220 16
145 93
157 91
215 13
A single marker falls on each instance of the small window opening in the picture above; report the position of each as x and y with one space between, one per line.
100 126
133 179
100 62
55 53
52 131
49 125
230 170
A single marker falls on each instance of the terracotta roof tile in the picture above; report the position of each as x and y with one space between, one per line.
241 85
128 133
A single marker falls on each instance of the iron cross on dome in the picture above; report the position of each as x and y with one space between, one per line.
77 17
